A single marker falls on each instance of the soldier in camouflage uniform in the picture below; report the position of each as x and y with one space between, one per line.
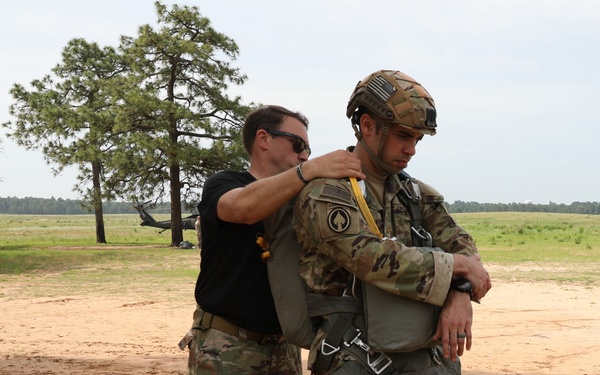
235 328
433 266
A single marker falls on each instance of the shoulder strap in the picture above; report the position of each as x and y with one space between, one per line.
362 204
420 237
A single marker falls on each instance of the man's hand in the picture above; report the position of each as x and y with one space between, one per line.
454 326
336 164
471 268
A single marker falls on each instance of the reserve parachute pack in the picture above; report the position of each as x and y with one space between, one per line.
287 286
301 313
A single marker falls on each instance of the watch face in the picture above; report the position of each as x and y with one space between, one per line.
463 285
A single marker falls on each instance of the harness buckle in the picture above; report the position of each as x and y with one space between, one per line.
435 356
415 188
360 343
380 363
424 235
332 349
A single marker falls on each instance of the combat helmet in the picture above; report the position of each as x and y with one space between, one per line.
397 98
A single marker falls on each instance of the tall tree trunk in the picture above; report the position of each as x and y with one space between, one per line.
176 224
97 202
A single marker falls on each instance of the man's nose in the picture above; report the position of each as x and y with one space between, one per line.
411 148
303 156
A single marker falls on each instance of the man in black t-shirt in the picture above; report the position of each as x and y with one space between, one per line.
235 328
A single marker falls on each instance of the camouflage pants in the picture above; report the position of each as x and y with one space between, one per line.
216 353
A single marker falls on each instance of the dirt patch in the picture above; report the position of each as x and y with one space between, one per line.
520 328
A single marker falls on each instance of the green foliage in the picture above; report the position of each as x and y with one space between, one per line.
54 206
591 208
175 117
149 117
67 115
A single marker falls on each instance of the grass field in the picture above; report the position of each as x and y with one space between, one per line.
538 246
62 250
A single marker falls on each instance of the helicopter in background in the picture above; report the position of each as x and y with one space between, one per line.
149 221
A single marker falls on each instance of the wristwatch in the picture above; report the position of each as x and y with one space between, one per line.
462 285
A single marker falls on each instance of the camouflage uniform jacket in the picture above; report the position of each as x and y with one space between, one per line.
336 240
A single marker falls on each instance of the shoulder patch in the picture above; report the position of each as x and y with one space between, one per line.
336 192
338 219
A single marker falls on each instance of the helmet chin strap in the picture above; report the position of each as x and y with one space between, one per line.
377 158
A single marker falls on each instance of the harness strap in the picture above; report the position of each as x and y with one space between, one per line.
343 336
322 305
420 237
332 342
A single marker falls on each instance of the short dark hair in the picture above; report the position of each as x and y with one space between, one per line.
268 117
362 110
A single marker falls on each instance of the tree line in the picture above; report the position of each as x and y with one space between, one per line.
589 208
59 206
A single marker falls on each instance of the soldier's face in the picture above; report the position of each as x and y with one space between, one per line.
400 146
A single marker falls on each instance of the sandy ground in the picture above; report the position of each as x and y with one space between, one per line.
520 328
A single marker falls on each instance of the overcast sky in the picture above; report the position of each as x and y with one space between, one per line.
516 82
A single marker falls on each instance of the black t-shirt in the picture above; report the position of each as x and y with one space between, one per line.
233 281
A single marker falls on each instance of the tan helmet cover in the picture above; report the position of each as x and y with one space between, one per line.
397 98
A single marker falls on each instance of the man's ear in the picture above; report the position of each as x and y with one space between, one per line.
262 139
367 124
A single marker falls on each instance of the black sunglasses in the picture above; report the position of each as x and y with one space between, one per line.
299 143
